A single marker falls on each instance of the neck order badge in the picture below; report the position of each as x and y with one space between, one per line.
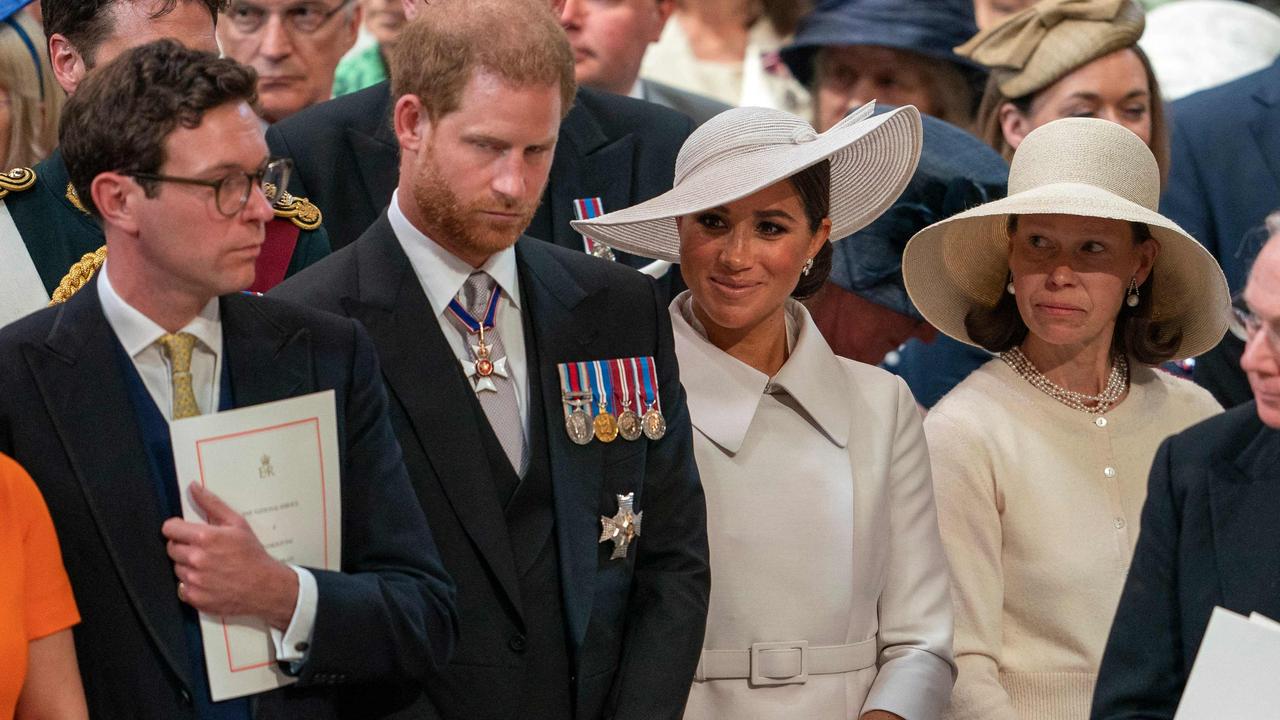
586 209
482 370
607 399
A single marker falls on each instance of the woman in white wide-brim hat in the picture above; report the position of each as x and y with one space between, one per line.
1040 457
830 594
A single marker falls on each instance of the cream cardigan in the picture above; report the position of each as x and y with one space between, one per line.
1039 507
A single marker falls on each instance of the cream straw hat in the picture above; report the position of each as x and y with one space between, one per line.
747 149
1076 166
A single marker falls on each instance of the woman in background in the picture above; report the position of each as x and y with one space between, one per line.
30 98
1068 58
40 679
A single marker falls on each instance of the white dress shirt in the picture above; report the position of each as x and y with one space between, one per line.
138 334
442 275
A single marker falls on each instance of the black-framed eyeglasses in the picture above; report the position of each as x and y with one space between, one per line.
303 17
231 192
1245 324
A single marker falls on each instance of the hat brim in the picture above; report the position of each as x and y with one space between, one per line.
872 159
955 265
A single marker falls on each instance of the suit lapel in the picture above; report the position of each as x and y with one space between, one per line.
423 375
254 344
1265 129
566 331
83 386
377 154
1244 502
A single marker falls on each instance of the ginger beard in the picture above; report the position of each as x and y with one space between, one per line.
467 224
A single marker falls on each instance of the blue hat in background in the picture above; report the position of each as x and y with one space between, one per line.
957 171
9 8
927 27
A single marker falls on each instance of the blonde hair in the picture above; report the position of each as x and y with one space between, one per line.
986 125
520 41
35 98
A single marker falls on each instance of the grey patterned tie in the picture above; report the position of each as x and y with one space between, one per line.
498 395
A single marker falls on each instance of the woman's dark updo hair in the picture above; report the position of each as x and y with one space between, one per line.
813 185
1136 335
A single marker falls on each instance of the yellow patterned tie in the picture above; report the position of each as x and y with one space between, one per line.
177 348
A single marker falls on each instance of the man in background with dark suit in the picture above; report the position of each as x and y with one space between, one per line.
1209 533
1224 179
620 150
166 152
609 41
581 563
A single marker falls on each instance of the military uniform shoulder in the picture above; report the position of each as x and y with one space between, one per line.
299 211
16 180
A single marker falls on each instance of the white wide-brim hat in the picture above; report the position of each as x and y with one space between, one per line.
1075 166
744 150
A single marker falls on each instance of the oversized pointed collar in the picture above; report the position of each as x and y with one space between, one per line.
724 393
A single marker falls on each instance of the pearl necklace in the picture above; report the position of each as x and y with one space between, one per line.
1098 404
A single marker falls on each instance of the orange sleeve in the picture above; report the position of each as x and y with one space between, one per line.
50 606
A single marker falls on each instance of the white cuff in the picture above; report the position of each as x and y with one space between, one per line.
293 644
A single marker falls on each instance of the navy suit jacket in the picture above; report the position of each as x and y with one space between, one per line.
1209 537
1224 175
65 415
635 626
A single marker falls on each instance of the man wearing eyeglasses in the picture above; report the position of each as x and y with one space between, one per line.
295 46
167 154
44 227
1210 535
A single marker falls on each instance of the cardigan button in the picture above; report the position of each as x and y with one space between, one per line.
1100 422
1109 472
1119 523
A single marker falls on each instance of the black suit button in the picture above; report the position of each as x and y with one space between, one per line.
186 696
518 643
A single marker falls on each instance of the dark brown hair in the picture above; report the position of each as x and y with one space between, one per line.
87 23
520 41
813 185
120 116
1136 335
986 124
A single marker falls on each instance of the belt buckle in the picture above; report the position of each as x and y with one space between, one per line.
757 649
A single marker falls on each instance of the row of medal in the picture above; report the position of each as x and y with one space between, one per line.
608 399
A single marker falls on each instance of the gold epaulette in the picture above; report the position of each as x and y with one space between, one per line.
78 275
16 180
298 210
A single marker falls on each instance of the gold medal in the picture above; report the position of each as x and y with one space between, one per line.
629 425
578 425
606 427
655 426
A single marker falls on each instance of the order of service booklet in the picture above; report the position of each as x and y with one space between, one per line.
277 465
1234 675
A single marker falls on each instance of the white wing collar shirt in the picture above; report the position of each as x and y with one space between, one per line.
823 534
442 275
138 335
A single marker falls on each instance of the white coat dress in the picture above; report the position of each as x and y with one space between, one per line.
823 533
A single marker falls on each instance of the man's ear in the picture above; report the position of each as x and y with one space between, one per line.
116 197
412 126
69 65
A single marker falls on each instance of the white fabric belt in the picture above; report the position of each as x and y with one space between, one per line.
781 663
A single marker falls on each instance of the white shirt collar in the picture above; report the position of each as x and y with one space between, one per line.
637 90
137 332
440 272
